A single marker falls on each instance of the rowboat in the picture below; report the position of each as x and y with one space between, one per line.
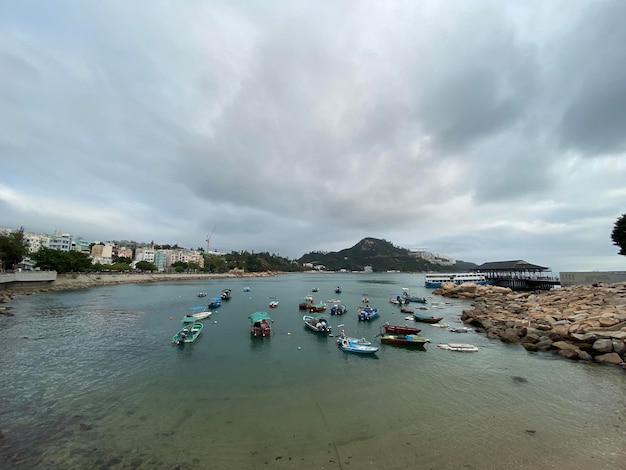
317 323
198 313
401 330
459 329
356 347
426 318
273 302
260 324
226 294
188 333
338 290
404 340
461 347
367 313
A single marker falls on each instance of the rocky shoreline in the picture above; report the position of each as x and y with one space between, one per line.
82 281
580 322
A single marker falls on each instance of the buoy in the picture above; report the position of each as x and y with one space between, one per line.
215 321
171 318
289 333
299 347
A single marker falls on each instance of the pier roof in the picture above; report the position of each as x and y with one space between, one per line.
517 265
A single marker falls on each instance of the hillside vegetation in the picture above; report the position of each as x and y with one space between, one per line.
381 255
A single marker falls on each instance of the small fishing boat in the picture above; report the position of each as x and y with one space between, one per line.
318 307
351 339
216 302
273 302
338 290
226 294
426 318
188 333
306 302
406 309
397 300
198 313
338 309
355 347
404 340
260 324
202 294
246 289
315 289
408 297
367 313
460 347
317 323
459 329
365 299
401 330
441 325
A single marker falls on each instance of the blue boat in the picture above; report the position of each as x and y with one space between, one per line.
367 313
338 309
216 302
356 347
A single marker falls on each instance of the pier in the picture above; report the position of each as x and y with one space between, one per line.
519 275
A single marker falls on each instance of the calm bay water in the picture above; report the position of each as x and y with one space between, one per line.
90 379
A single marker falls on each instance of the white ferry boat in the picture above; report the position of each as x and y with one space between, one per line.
437 279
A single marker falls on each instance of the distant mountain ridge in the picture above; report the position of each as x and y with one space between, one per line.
381 255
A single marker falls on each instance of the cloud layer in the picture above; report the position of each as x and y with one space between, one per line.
485 130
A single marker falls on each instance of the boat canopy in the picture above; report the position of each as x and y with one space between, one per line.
259 316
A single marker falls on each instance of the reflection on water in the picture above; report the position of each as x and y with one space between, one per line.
98 384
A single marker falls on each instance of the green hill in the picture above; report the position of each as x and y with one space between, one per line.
381 255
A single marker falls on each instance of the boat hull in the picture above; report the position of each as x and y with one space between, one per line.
188 334
402 330
404 340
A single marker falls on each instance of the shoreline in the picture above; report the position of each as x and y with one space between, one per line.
74 281
581 322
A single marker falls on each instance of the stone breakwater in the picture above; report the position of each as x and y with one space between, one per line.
82 281
578 322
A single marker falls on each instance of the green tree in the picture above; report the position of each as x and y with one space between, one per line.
146 266
618 235
123 259
62 261
12 249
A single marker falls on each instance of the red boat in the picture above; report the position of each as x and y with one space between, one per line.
401 330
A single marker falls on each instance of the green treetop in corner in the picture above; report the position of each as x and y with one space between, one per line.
12 249
619 234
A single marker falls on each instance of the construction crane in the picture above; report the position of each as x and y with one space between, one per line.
208 239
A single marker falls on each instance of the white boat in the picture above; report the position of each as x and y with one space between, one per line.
355 347
459 329
198 313
273 302
461 347
435 280
441 325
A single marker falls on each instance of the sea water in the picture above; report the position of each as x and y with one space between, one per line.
90 379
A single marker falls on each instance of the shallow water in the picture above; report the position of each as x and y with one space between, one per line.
90 379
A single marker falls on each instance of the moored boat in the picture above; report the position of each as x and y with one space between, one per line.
317 323
318 307
216 302
460 347
197 313
338 309
408 297
273 303
367 313
401 329
356 347
459 329
226 294
188 333
338 290
404 340
305 302
351 339
260 324
426 318
202 294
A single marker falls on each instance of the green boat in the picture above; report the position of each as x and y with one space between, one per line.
188 334
260 324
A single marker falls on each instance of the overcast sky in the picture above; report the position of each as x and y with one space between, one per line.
484 130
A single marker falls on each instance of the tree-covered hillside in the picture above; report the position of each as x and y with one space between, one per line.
381 255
